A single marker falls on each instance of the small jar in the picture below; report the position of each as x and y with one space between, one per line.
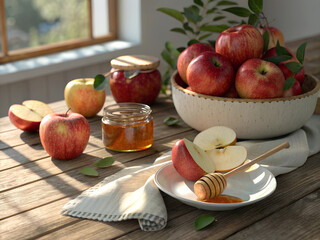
135 78
127 127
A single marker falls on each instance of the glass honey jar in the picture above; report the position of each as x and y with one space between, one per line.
127 127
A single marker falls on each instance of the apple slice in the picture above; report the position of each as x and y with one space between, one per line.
200 157
228 158
28 116
215 137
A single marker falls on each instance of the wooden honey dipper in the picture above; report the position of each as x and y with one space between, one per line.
213 184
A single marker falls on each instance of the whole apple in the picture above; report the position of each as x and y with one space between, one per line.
64 135
184 163
239 44
187 55
259 79
81 97
210 73
293 91
143 88
286 72
274 35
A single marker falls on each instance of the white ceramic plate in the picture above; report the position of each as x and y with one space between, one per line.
251 186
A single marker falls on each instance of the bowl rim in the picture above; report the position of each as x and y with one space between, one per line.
225 99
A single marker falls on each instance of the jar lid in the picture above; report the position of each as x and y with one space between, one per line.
135 62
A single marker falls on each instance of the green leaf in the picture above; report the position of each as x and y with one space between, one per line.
198 2
205 36
178 30
89 172
253 18
100 82
281 50
166 56
294 67
226 3
256 5
233 22
211 10
289 83
214 28
277 59
170 121
104 162
192 14
203 221
169 46
218 18
266 40
238 11
300 52
180 49
187 27
173 13
131 74
192 41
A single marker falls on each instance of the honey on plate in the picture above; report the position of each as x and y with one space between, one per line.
127 127
224 199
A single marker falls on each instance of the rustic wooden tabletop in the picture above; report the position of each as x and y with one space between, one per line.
34 187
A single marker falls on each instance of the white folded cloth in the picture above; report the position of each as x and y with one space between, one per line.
132 194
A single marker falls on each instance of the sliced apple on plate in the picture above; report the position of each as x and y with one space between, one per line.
28 115
228 158
215 137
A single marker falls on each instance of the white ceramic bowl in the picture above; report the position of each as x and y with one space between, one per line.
250 118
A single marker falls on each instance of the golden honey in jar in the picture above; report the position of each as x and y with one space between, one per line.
127 127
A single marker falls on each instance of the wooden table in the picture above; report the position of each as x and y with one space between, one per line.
34 187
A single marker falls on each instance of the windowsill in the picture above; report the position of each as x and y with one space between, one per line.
43 65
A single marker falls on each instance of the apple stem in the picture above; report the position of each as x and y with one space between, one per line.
67 112
109 73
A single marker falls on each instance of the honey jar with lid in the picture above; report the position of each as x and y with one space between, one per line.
127 127
135 78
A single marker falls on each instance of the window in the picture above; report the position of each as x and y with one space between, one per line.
31 28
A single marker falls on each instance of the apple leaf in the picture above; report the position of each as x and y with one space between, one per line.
277 59
192 14
170 121
218 18
289 83
100 82
178 30
104 162
203 221
172 13
238 11
198 2
253 19
131 74
205 36
212 10
256 5
294 67
266 39
281 50
300 52
187 27
214 28
89 172
226 3
192 41
166 56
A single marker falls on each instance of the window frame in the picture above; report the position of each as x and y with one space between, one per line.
15 55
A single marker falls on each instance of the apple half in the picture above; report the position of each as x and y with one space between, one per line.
227 158
215 137
28 115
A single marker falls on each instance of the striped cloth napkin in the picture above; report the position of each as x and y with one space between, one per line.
132 194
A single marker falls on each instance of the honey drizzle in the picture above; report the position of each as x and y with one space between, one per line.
223 199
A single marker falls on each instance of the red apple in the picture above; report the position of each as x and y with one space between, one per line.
239 44
143 88
187 55
187 159
232 92
274 35
28 116
64 135
81 97
287 73
259 79
293 91
210 73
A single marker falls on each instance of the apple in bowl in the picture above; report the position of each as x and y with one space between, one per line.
28 115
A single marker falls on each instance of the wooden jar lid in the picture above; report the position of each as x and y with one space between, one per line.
135 62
